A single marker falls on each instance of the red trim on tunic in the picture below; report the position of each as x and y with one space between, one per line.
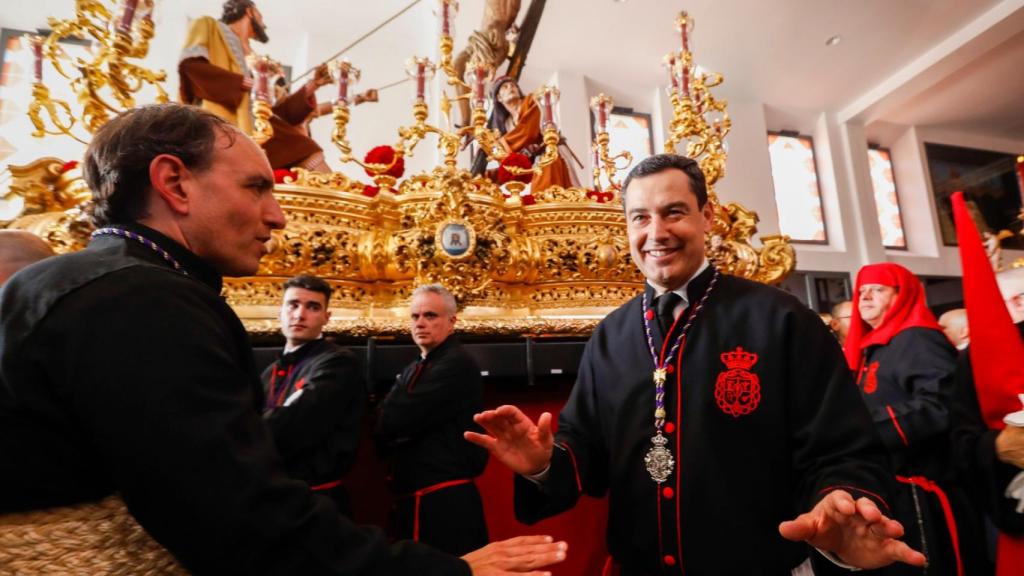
277 398
415 376
892 416
326 485
947 510
575 468
679 450
419 494
657 505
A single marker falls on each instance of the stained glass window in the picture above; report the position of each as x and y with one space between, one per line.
797 196
887 204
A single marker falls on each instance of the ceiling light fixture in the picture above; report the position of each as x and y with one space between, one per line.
834 40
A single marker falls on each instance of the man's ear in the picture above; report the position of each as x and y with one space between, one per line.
708 215
170 177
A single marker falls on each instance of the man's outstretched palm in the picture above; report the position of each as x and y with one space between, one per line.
855 531
514 439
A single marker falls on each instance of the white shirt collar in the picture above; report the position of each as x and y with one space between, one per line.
681 291
288 349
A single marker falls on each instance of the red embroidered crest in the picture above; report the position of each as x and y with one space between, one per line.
737 390
871 378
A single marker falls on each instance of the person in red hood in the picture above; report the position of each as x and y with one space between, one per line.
901 358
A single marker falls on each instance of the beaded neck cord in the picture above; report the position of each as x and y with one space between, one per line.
659 460
114 231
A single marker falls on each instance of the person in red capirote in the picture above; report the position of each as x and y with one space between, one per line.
901 359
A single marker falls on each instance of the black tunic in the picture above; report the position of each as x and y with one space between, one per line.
119 374
984 476
785 427
906 387
315 398
421 422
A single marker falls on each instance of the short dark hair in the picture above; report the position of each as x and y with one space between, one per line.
661 162
311 283
116 165
234 10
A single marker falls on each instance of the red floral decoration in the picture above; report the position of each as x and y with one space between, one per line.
69 166
528 200
600 196
281 173
385 155
519 161
370 191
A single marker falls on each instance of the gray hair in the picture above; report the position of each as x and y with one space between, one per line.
449 301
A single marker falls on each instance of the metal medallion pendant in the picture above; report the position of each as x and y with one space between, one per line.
659 459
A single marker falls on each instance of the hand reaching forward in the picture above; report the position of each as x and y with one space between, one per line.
522 555
514 439
1010 446
856 532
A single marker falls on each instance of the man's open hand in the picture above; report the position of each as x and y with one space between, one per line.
514 439
522 555
855 531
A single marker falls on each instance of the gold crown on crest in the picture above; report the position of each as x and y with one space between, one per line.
739 359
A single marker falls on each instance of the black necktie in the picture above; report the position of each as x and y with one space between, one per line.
666 305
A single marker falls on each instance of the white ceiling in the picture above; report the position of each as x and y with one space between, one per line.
771 51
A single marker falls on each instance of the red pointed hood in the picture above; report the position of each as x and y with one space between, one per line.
994 338
908 310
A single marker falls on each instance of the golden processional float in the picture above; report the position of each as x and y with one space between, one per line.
554 265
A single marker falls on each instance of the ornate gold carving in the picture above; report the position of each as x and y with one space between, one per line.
109 72
555 266
701 121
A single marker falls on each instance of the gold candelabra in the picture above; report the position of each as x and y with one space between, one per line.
698 118
604 162
266 71
421 70
554 264
104 85
701 121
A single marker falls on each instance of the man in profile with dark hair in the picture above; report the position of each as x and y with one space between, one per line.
127 383
18 249
314 394
716 413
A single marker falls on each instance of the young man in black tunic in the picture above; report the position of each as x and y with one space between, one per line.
711 410
123 371
420 425
314 394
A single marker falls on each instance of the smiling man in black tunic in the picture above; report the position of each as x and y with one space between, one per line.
716 413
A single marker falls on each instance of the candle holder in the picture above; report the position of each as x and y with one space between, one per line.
116 41
265 70
547 99
58 111
446 11
701 121
347 76
472 87
695 109
604 163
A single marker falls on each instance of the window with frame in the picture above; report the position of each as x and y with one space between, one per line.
887 201
797 195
